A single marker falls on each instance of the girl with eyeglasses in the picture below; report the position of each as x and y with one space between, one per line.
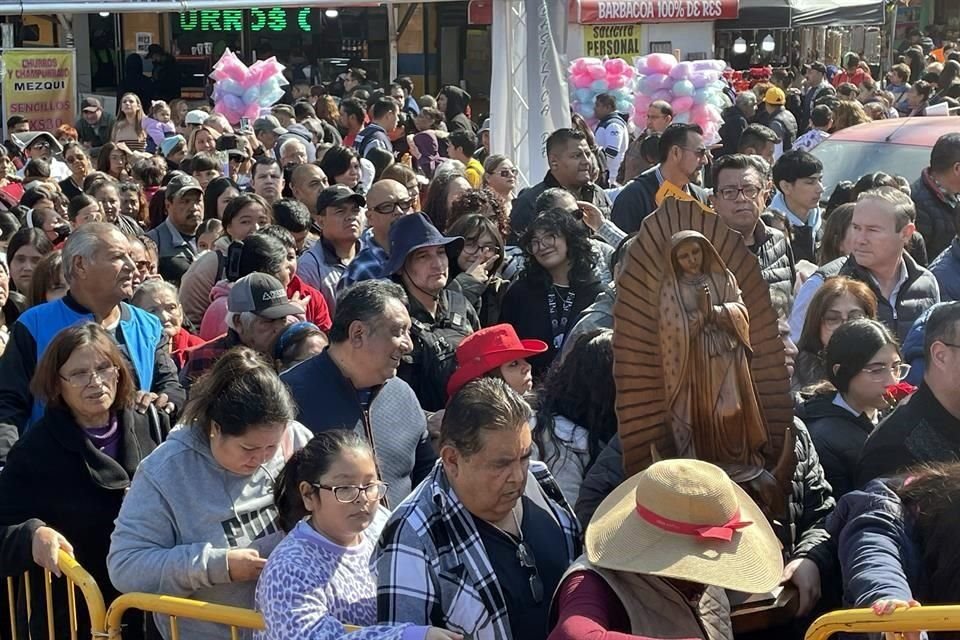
839 300
319 578
79 163
861 360
478 264
500 176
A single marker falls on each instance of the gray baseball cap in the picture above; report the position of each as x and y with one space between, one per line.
182 184
268 123
263 295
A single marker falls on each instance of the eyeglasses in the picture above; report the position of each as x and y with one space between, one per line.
348 493
732 193
834 319
394 206
40 144
472 248
546 241
898 370
83 379
700 152
508 173
529 562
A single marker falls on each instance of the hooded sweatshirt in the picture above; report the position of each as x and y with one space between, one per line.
456 114
183 513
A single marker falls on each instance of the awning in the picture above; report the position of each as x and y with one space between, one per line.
760 14
831 13
630 11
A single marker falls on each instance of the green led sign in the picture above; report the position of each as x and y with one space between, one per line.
273 20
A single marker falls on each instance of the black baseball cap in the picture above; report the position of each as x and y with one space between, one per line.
818 66
181 184
337 193
263 295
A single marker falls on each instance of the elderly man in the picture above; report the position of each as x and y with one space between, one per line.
41 145
387 201
338 221
258 311
94 125
420 259
735 120
293 152
98 271
880 230
176 236
268 179
683 155
482 544
267 129
353 383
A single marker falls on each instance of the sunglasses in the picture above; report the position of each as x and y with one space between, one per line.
507 173
40 144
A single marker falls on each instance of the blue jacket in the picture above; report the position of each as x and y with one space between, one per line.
878 556
141 337
946 268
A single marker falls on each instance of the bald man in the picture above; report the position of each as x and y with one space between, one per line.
387 201
306 183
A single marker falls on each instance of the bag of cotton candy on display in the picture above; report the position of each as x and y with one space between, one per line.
694 90
589 77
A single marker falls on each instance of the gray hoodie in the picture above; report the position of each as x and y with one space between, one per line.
182 515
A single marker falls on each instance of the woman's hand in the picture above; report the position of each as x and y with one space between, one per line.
886 607
479 269
244 565
436 633
46 549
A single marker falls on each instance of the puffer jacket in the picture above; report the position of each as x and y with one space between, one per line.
946 269
775 257
785 126
935 216
917 294
838 437
810 503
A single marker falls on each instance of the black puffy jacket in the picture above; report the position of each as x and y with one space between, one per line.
935 217
776 258
838 436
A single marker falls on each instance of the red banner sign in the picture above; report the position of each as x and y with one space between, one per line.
627 11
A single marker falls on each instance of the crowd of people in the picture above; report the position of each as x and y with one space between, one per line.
335 367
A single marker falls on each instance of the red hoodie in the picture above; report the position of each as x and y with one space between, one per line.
181 345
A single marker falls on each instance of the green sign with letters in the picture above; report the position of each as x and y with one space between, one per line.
274 19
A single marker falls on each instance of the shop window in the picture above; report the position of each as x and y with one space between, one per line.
663 46
697 55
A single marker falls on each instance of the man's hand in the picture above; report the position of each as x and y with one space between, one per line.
161 402
805 576
592 216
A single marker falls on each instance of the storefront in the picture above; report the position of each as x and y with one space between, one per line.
629 28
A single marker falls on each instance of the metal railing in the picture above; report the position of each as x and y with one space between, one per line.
234 617
934 618
75 577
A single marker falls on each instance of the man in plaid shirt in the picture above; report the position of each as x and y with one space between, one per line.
480 546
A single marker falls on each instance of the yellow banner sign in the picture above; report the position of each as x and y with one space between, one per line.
612 41
40 85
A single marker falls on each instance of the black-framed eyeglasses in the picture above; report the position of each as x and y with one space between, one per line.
546 241
82 379
732 193
472 248
347 493
395 206
529 562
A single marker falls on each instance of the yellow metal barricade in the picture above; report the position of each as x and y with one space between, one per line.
75 577
934 618
234 617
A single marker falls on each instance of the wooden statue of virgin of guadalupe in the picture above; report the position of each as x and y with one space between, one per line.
712 406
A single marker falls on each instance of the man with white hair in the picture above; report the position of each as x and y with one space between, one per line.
99 272
292 153
218 123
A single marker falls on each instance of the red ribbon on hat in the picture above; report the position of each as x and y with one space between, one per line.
716 532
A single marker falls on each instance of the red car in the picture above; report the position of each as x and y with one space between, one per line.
899 147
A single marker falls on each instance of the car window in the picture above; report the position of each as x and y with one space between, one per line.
848 160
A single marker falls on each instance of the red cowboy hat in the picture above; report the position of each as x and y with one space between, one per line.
487 349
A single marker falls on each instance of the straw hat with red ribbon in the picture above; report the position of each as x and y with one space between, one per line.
686 519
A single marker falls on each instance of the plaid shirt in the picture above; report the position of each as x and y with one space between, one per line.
201 358
367 265
433 568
